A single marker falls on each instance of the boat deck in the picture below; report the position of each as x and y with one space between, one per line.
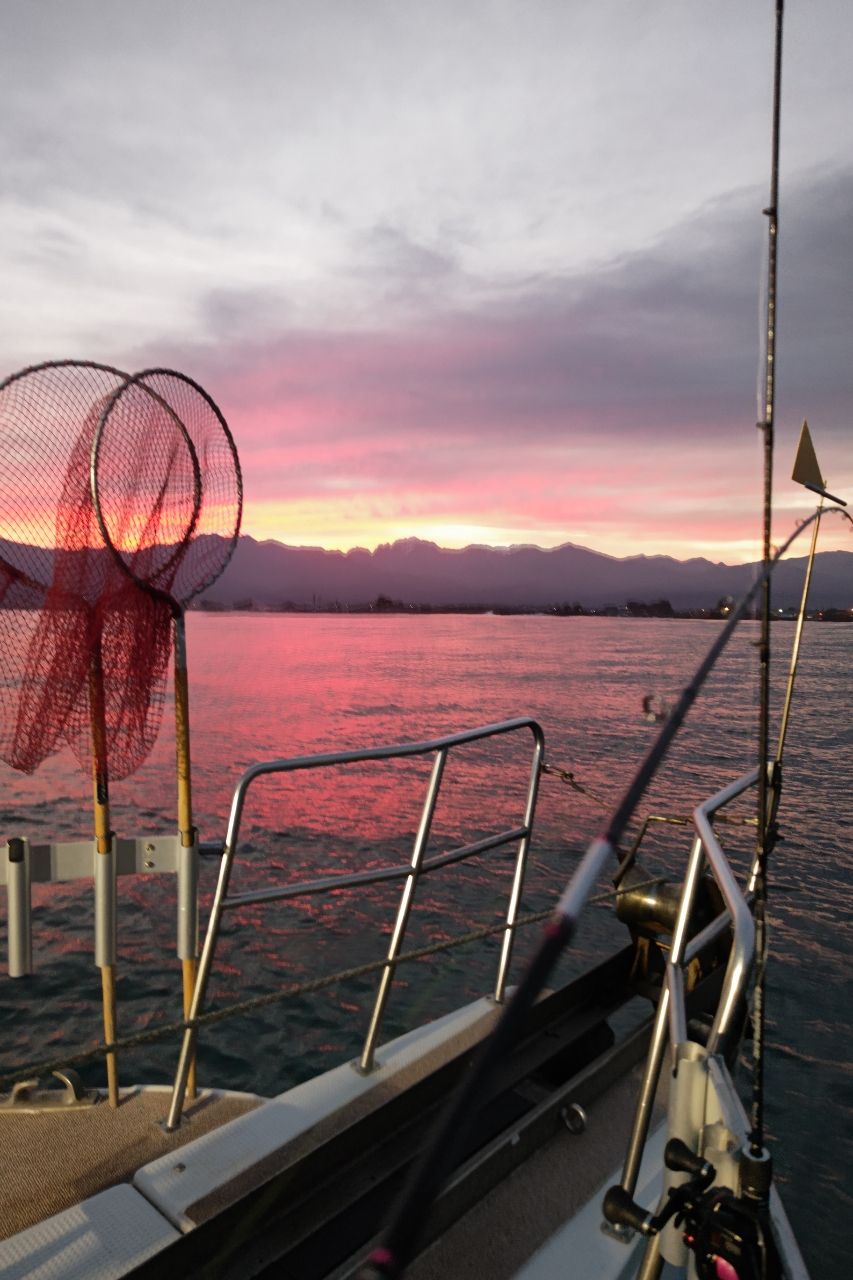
316 1170
60 1157
509 1224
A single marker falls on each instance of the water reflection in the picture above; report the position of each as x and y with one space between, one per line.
274 686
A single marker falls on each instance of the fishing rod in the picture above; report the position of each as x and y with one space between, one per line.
806 472
402 1235
767 829
403 1232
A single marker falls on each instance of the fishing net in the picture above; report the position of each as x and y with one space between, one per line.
43 413
170 532
94 572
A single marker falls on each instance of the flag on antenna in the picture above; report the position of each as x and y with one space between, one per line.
806 470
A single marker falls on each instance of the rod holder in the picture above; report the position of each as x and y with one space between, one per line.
19 908
105 907
187 925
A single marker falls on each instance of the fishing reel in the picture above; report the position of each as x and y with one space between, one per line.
727 1238
725 1232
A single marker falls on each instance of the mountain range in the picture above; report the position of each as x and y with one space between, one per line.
413 572
420 573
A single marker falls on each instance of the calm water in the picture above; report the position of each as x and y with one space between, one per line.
271 686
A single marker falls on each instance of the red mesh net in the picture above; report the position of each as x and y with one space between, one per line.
102 556
158 425
42 414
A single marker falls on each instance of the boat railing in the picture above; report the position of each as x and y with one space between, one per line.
419 865
671 1016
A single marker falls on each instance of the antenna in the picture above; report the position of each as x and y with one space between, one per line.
806 472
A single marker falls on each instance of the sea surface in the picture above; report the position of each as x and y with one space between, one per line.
268 686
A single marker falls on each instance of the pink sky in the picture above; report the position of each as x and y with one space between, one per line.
614 409
456 272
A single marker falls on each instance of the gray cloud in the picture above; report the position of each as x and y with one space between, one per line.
376 156
668 336
390 250
456 238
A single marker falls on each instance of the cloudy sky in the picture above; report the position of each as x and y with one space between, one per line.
464 270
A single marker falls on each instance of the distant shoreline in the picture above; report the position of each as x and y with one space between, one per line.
418 611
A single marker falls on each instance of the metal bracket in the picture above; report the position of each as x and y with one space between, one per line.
27 1098
617 1231
74 859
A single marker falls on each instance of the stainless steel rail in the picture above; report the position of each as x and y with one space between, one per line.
418 866
671 1013
743 944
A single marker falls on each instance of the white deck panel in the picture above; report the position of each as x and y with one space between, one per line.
581 1248
174 1182
100 1239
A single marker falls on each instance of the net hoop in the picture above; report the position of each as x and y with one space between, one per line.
140 380
14 570
84 652
62 364
121 500
142 582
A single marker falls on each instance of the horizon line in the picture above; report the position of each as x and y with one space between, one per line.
507 547
429 542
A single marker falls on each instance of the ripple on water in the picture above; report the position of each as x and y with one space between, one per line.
302 684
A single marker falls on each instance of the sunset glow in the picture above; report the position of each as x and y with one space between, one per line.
449 275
